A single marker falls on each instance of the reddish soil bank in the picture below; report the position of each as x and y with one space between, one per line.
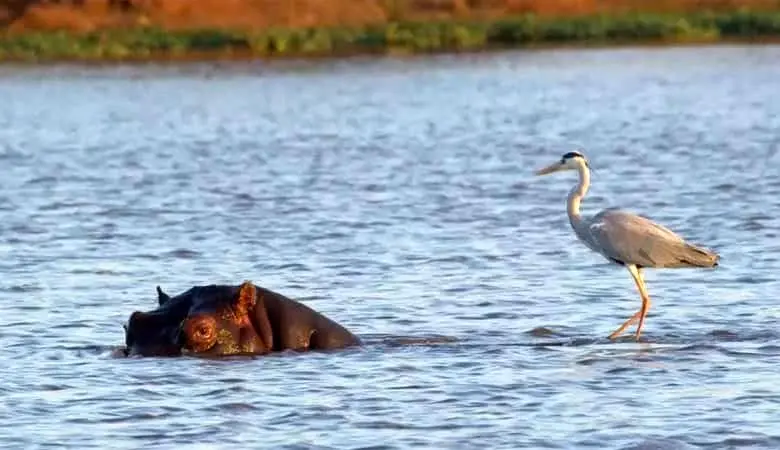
87 15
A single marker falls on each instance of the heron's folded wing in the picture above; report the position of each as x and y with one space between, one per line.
633 239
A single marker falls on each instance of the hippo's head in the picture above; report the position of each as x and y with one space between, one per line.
205 320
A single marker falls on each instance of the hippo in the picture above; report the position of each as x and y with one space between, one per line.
223 320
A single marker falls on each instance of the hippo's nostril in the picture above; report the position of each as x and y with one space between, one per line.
135 316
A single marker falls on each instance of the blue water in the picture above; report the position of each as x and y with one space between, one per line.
397 197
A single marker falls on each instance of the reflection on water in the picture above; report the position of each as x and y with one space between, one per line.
397 197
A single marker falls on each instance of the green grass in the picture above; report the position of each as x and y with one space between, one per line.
142 43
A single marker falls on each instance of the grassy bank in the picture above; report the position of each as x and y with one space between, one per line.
152 43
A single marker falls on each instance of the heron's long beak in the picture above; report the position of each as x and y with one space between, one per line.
555 167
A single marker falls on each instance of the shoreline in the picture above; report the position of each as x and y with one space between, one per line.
152 45
248 57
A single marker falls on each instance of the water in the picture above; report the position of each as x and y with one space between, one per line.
396 197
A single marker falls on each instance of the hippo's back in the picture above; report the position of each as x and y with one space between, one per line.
296 317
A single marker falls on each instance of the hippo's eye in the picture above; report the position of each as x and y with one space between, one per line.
201 332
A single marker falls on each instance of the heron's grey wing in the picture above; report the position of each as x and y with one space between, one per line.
633 239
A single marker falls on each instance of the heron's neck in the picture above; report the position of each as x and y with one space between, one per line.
576 195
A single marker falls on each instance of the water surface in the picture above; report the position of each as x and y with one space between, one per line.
396 197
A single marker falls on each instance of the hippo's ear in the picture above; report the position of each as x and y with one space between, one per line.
247 298
253 308
162 297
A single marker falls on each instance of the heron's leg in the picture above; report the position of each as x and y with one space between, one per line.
625 325
640 284
636 274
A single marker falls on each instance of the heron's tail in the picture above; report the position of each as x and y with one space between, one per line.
693 256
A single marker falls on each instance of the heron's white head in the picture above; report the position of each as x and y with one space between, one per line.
569 161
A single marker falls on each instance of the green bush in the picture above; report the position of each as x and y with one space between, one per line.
413 37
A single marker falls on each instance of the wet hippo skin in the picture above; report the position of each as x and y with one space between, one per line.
221 320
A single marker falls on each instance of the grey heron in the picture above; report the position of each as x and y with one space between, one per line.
627 239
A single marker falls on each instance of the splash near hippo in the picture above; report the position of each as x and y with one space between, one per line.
224 320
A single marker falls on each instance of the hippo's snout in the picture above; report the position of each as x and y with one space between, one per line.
145 337
130 329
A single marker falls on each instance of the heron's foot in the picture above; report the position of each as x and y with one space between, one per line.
615 334
625 325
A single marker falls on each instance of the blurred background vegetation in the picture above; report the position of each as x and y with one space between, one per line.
143 29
